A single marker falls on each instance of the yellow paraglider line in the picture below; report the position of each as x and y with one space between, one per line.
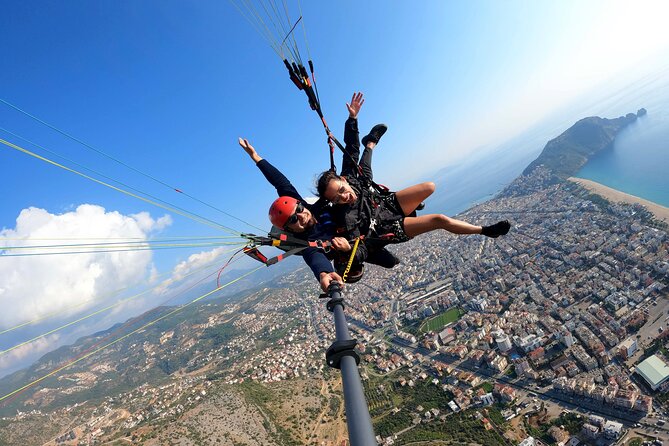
183 213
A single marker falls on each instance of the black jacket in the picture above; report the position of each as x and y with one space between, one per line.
354 220
315 258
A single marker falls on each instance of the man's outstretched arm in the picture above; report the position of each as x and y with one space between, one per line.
320 266
282 185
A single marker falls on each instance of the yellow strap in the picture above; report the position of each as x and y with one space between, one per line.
350 259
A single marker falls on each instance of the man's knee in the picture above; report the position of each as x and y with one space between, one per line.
429 187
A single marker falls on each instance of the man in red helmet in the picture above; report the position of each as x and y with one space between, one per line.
290 212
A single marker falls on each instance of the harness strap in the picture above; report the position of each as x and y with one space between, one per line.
253 252
283 240
281 257
287 241
351 258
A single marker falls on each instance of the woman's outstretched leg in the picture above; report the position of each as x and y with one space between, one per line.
412 196
414 226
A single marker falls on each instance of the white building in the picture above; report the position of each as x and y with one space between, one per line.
487 399
503 343
628 347
478 304
567 339
529 441
528 343
613 430
654 371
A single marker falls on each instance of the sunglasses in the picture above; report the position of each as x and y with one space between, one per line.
293 218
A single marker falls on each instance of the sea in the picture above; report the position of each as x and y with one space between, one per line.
637 163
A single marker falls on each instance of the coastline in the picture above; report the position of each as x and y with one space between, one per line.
660 212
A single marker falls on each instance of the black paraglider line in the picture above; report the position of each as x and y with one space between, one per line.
290 33
276 28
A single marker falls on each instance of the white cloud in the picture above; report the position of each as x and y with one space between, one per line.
27 351
190 265
148 224
153 274
35 286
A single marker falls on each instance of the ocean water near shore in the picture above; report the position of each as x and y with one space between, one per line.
638 162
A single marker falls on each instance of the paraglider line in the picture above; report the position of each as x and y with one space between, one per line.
128 186
169 208
100 311
86 355
64 310
118 249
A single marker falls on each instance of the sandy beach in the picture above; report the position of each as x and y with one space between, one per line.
660 212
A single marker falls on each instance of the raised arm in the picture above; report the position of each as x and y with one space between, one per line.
352 137
282 185
250 150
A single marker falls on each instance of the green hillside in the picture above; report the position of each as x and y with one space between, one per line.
566 154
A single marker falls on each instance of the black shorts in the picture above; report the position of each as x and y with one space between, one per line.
390 220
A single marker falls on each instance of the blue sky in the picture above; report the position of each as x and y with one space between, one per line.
168 86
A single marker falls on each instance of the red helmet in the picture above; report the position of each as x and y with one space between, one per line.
281 210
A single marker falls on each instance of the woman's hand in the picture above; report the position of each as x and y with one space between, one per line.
356 103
